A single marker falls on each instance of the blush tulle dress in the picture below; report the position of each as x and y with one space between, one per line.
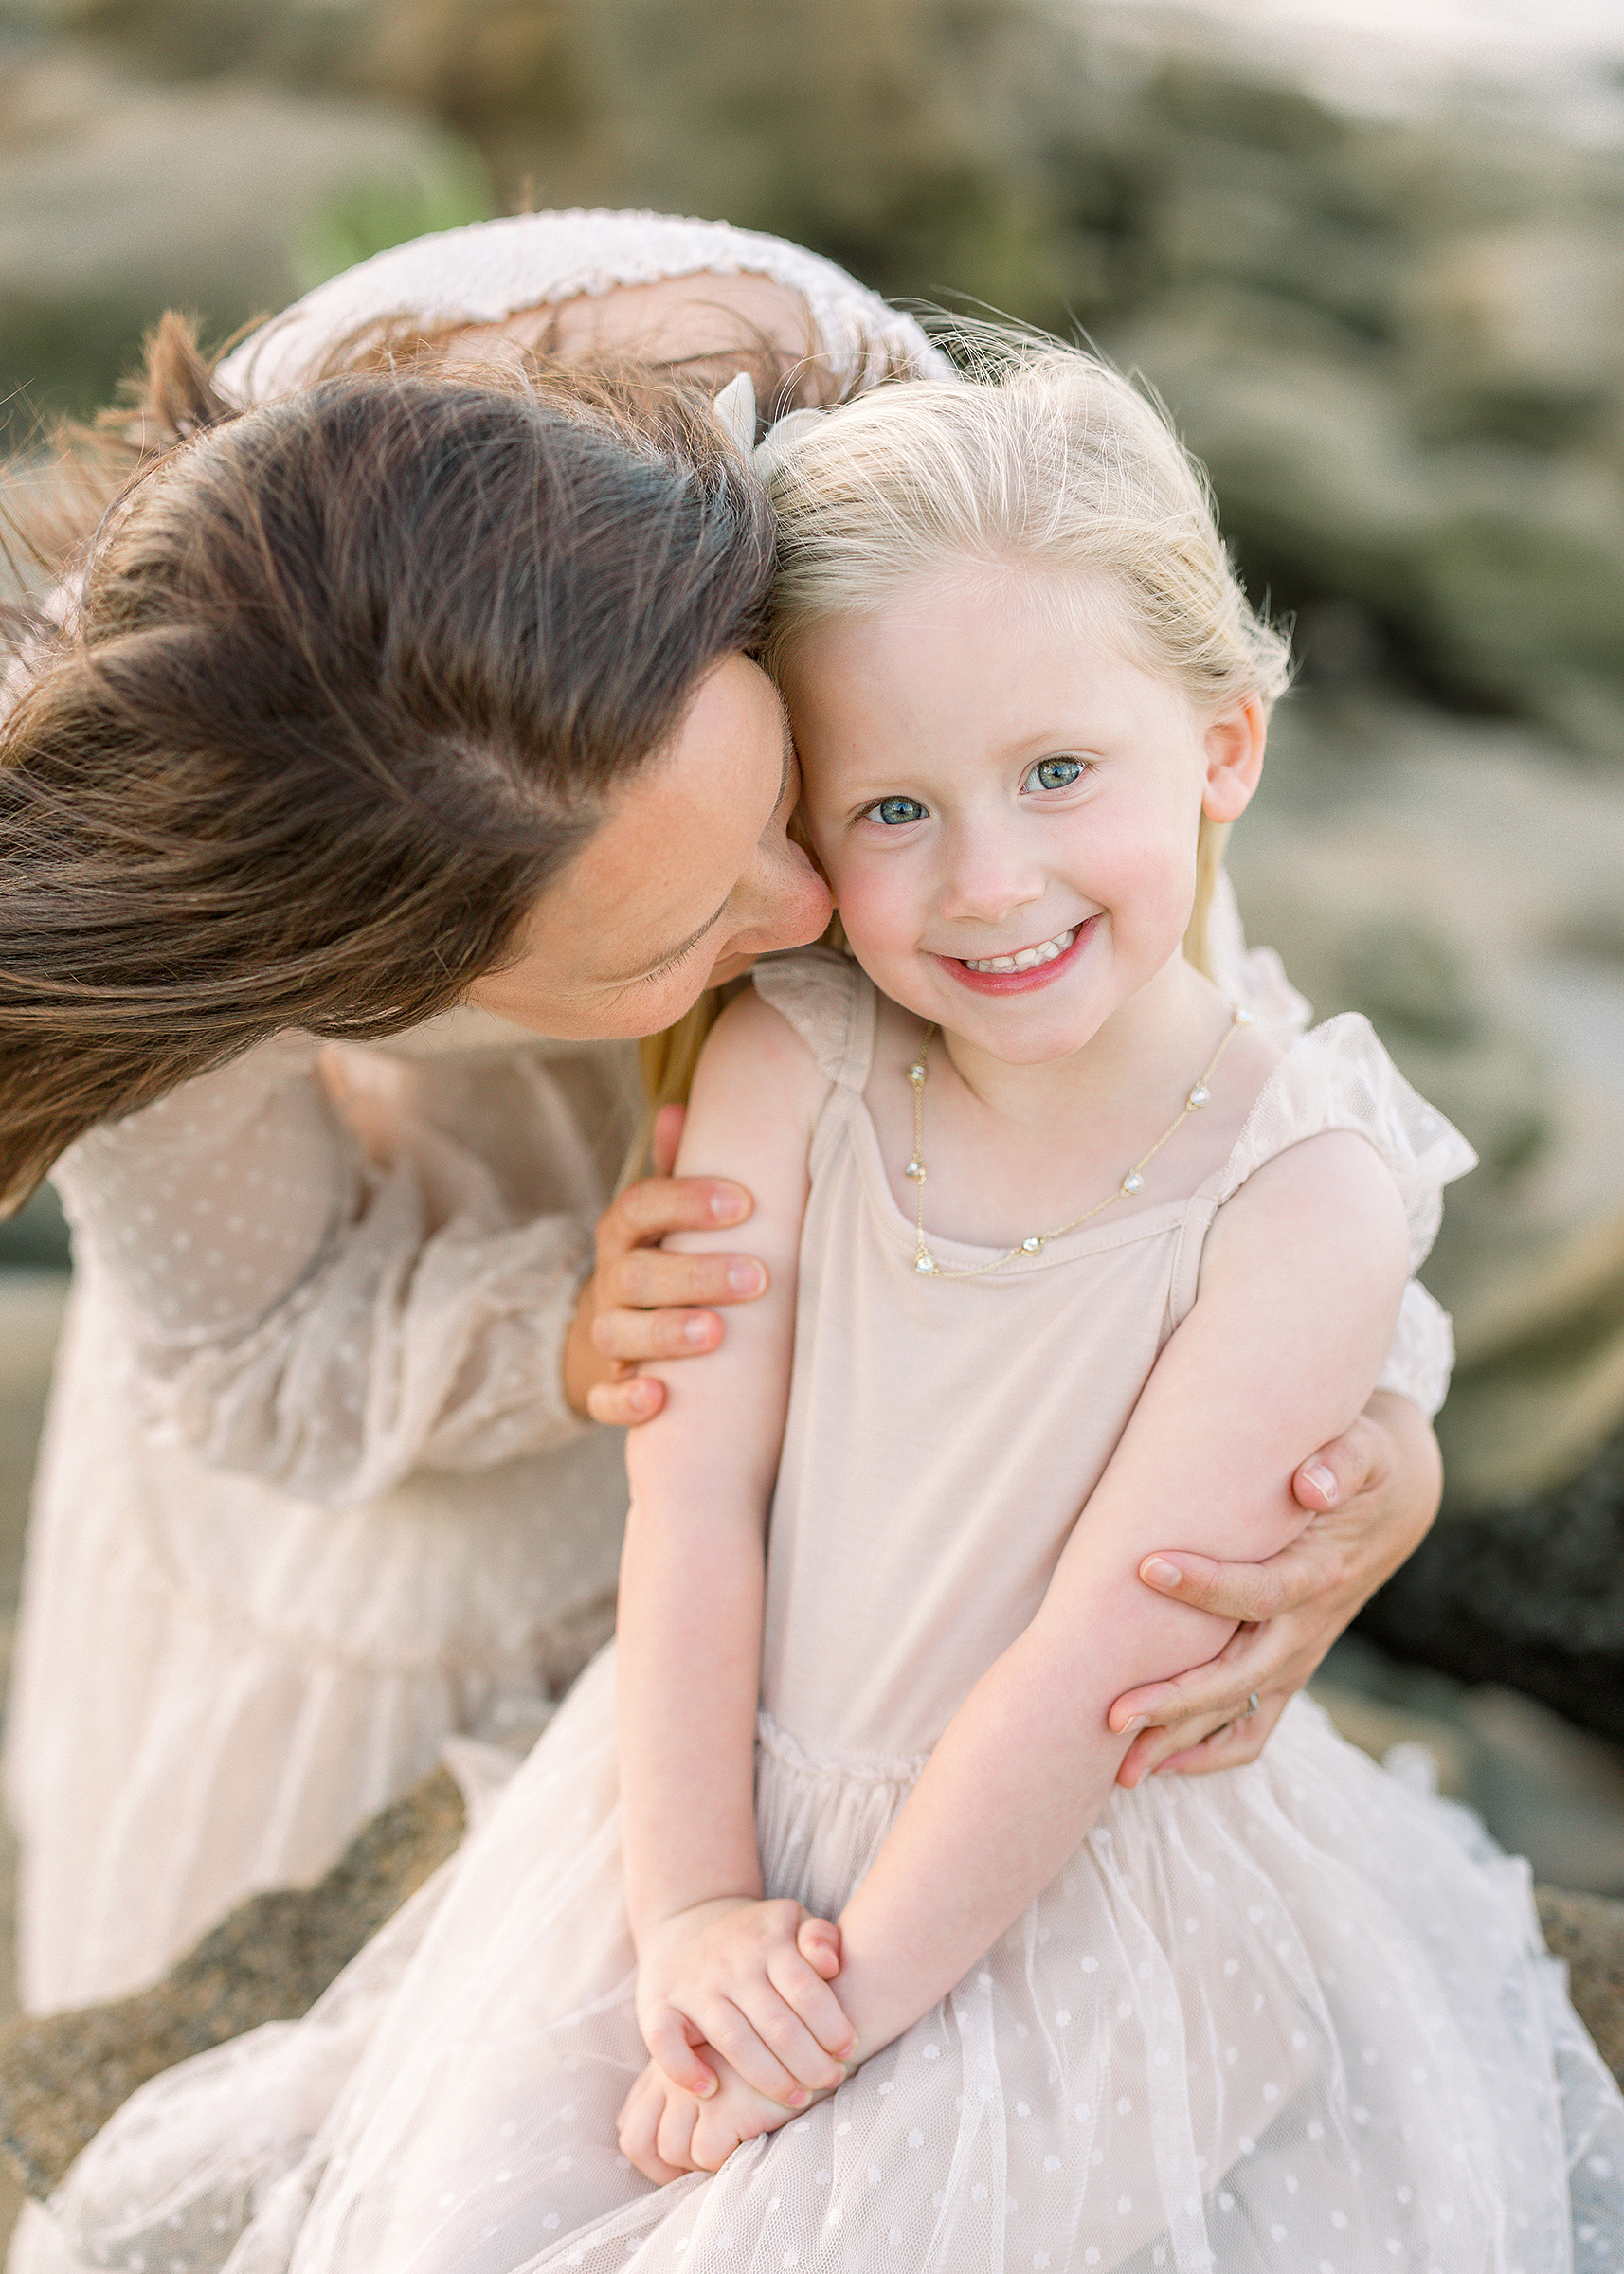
1293 2019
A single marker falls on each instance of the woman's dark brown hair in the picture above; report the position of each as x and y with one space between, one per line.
342 684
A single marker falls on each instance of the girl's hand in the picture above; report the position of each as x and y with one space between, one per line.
1370 1497
666 2132
752 1979
638 1302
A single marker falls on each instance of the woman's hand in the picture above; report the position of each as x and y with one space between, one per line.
640 1303
1370 1498
665 2132
750 1978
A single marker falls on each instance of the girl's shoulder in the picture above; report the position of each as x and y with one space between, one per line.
1338 1077
828 1000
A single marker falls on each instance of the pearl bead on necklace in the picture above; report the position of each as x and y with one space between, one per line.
927 1265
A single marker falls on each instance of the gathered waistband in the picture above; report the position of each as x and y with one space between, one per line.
896 1772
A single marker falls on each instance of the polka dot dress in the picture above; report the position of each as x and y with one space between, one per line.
1295 2019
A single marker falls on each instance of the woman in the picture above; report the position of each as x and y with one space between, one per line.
394 727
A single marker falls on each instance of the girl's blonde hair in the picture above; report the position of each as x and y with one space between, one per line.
1047 458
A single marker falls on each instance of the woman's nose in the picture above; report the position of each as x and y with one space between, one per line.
788 902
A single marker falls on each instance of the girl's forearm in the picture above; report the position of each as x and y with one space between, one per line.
689 1667
1019 1775
1028 1761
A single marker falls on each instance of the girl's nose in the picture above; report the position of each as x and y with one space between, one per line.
988 877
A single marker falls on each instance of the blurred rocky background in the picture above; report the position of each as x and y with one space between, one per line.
1380 282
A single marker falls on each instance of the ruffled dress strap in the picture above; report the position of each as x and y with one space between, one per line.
1337 1076
829 1001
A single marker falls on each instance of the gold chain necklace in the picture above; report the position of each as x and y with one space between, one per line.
924 1263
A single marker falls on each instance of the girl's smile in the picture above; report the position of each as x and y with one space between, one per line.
1006 804
1024 969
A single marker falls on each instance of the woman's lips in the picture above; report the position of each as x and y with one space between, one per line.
1020 982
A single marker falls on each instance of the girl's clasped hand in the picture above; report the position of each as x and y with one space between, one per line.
743 2028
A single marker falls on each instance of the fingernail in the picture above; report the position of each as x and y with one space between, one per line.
727 1208
1140 1721
800 2099
746 1278
1158 1572
1321 1478
641 1395
703 2092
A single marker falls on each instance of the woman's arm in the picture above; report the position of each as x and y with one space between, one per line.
295 1313
718 1964
1300 1285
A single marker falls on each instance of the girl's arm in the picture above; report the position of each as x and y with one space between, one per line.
1300 1286
716 1963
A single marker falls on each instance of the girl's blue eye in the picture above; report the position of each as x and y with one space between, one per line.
896 812
1057 773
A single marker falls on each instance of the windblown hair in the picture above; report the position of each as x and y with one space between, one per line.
1047 457
337 689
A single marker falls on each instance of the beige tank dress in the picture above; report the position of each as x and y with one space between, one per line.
1295 2019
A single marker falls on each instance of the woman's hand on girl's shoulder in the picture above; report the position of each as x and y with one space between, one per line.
641 1302
644 1302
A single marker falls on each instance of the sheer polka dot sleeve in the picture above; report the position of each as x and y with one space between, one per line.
296 1313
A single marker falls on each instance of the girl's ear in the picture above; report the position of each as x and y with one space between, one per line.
1233 747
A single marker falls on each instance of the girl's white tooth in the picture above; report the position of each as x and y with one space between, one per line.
1027 958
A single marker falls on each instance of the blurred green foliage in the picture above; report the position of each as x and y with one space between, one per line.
1399 344
369 214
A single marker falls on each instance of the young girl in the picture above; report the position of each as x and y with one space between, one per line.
1044 1213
